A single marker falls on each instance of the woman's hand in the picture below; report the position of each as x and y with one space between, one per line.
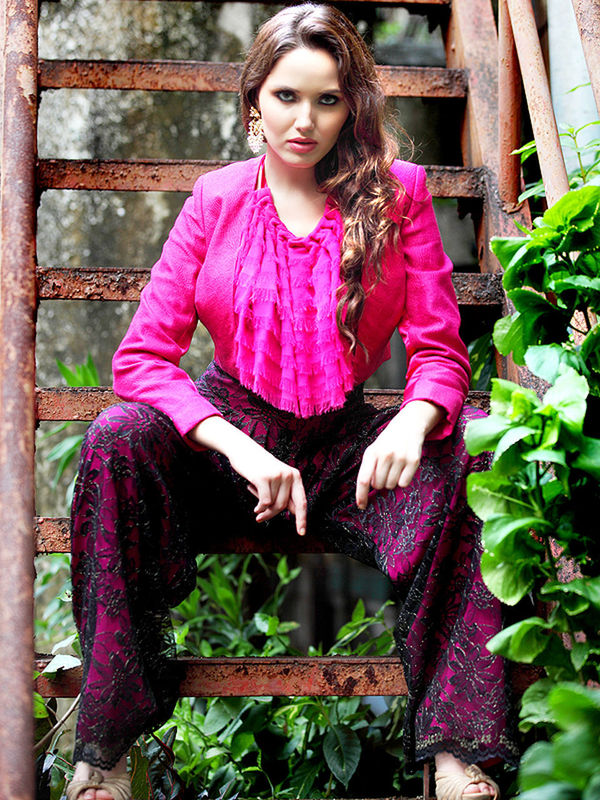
275 484
395 455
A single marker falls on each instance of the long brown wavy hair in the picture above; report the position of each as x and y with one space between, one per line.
356 172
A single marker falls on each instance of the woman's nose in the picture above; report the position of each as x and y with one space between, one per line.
304 120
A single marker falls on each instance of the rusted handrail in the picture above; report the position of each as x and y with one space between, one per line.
509 111
18 27
539 101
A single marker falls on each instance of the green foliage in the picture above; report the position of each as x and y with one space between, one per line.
256 746
587 169
68 448
482 357
539 498
272 746
559 259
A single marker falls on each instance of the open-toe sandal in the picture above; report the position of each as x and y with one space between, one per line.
452 787
118 786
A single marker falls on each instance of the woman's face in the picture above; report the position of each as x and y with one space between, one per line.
302 108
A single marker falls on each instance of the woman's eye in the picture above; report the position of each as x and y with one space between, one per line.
285 96
329 99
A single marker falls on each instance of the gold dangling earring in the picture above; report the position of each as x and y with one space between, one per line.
256 136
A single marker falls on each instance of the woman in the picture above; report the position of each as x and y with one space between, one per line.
301 264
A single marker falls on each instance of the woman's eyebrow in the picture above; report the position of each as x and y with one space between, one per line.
284 88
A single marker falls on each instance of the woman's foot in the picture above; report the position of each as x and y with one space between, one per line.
84 772
448 765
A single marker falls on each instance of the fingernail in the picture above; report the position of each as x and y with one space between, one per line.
302 532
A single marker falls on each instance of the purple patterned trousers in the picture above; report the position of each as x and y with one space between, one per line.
145 502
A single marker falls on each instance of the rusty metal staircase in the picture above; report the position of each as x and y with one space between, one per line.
471 74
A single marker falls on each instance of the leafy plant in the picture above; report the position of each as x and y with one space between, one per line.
273 746
559 259
587 169
482 357
536 501
68 448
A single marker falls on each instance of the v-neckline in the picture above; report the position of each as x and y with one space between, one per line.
262 188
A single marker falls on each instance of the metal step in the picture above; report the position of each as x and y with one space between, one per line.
83 404
174 175
126 283
213 76
345 676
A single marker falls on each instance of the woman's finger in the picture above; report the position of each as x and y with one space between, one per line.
363 481
408 473
265 496
393 476
297 504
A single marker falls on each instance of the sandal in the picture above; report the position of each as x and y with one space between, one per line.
452 787
119 787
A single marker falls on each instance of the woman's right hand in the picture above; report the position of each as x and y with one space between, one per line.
276 485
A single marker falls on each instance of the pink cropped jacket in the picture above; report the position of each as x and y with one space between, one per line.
193 281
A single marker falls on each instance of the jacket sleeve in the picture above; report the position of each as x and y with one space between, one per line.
438 362
146 364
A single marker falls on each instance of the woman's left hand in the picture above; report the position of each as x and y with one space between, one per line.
394 457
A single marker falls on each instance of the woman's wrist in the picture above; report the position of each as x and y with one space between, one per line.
216 433
422 415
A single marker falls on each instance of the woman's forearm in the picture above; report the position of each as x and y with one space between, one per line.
423 414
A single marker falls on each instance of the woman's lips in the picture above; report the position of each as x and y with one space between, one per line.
302 145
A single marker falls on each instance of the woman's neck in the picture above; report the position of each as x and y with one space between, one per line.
298 202
282 178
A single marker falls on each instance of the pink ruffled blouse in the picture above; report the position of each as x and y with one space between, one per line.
288 348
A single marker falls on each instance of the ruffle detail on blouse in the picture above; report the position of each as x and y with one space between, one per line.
288 348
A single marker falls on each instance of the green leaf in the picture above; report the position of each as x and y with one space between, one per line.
574 705
509 336
547 455
242 743
512 436
576 211
591 344
217 717
592 790
500 532
485 433
547 360
509 581
554 790
579 655
523 641
358 614
537 766
39 707
342 749
489 493
568 397
507 248
502 394
541 321
535 708
483 362
580 746
588 459
265 623
588 588
64 643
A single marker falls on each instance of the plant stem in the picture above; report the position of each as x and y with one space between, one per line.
329 785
